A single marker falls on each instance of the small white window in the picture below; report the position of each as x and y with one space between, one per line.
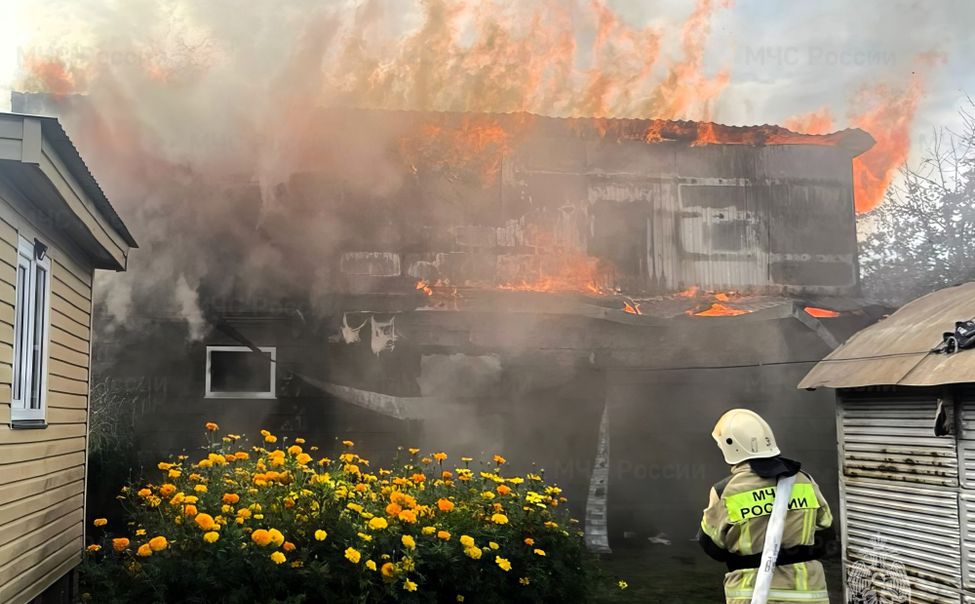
32 311
240 372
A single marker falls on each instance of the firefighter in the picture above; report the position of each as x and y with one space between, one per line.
734 523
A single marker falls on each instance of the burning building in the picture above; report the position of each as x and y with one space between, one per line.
587 293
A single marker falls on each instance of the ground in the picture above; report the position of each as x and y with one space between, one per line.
678 575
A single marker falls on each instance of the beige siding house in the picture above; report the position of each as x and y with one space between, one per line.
56 229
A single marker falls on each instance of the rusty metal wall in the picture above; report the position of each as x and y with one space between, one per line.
899 487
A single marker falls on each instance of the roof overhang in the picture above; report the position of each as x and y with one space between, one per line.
898 351
39 160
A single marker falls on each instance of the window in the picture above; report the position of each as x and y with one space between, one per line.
30 334
240 372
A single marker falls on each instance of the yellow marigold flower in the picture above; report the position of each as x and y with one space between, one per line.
499 460
278 558
200 488
352 555
443 535
445 505
144 493
158 543
203 463
460 598
230 498
244 513
467 541
428 530
499 519
320 535
408 516
303 458
288 546
261 537
211 536
487 495
425 460
408 542
446 474
177 499
473 552
503 489
503 563
370 565
94 547
167 490
539 552
162 465
348 443
294 449
100 522
365 537
388 570
205 521
144 550
623 584
355 507
299 441
270 438
413 450
378 523
153 501
211 426
409 585
493 545
440 456
551 524
120 543
174 473
529 541
524 580
277 537
140 532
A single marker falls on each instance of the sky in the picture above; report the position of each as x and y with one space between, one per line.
784 58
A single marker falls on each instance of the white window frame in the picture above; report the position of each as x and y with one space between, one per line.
270 394
26 331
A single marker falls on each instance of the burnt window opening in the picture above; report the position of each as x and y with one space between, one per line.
240 372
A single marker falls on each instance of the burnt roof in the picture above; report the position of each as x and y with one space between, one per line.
853 140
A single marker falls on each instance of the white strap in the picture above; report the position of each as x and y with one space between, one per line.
773 539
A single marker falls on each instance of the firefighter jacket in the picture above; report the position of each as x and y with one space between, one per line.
733 531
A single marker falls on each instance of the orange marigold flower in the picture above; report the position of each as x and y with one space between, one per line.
144 550
205 521
393 509
230 498
503 489
444 504
418 477
100 522
288 546
443 535
190 510
440 456
158 543
94 547
277 538
144 493
303 458
499 460
261 537
120 543
388 570
167 490
211 426
407 516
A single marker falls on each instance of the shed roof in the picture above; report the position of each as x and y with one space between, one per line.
897 350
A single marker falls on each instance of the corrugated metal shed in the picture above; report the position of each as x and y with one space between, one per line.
897 350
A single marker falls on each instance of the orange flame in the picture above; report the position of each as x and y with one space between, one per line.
821 313
721 310
633 309
424 287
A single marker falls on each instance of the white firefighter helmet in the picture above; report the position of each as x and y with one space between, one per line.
742 434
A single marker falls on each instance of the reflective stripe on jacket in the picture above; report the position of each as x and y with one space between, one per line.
736 520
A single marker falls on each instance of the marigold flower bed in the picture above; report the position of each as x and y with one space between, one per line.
282 523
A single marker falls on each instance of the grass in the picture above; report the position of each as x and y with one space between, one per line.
677 575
